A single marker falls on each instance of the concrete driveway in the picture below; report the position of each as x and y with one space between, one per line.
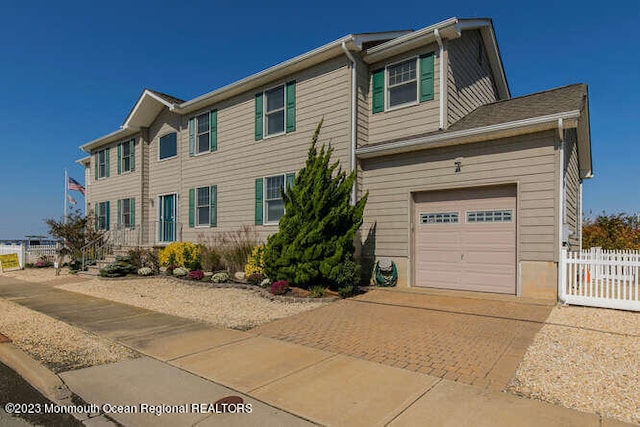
475 341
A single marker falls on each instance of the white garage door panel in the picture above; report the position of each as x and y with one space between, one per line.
475 255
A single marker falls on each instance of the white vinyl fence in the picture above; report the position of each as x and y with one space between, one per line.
600 278
36 253
14 249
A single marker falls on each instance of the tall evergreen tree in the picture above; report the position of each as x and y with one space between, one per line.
317 231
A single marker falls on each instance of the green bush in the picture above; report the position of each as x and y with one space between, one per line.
317 231
120 268
222 277
317 292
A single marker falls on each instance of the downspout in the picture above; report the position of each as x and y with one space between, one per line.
354 100
561 270
436 33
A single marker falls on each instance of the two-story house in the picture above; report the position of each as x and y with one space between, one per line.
469 189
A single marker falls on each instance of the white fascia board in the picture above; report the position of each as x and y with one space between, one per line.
145 94
113 136
331 49
409 41
84 161
470 135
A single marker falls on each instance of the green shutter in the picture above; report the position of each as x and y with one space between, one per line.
192 136
106 155
291 177
426 77
213 206
132 210
258 116
95 216
95 164
378 91
119 212
108 214
291 106
213 130
119 159
192 207
259 209
132 150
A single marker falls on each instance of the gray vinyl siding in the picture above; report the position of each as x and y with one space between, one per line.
470 82
572 184
362 118
114 187
406 121
321 91
527 160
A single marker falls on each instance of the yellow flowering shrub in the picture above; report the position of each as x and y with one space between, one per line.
182 254
255 261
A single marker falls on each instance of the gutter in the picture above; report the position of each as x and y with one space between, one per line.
436 33
354 105
468 135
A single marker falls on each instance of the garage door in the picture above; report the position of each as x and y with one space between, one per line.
466 239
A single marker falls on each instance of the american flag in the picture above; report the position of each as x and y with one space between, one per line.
75 185
71 199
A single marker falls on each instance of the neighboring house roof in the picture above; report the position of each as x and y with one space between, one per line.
552 101
566 106
168 98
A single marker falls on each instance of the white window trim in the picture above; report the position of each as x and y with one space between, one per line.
121 159
195 208
172 157
264 199
195 125
387 98
264 111
104 150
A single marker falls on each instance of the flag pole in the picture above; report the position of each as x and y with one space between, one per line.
66 184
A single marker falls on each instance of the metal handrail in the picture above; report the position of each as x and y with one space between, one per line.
96 248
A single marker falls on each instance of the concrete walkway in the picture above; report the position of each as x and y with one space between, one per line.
288 384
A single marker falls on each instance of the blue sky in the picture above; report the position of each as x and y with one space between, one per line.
70 72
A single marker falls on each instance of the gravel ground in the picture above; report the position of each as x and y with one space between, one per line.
59 346
231 308
592 365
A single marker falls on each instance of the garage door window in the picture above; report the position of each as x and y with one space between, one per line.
439 218
490 216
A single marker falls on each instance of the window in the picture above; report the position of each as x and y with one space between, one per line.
126 213
168 146
275 112
274 205
490 216
402 83
126 162
102 216
202 206
439 218
202 135
102 169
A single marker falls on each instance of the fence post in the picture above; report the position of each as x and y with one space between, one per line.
563 276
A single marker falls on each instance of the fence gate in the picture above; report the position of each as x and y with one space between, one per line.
600 278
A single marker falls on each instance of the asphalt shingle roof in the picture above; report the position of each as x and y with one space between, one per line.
552 101
168 98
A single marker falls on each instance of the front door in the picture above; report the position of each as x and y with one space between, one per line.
167 216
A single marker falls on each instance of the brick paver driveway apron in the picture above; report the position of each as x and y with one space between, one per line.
470 340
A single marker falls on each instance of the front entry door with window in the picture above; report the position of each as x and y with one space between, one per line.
167 215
